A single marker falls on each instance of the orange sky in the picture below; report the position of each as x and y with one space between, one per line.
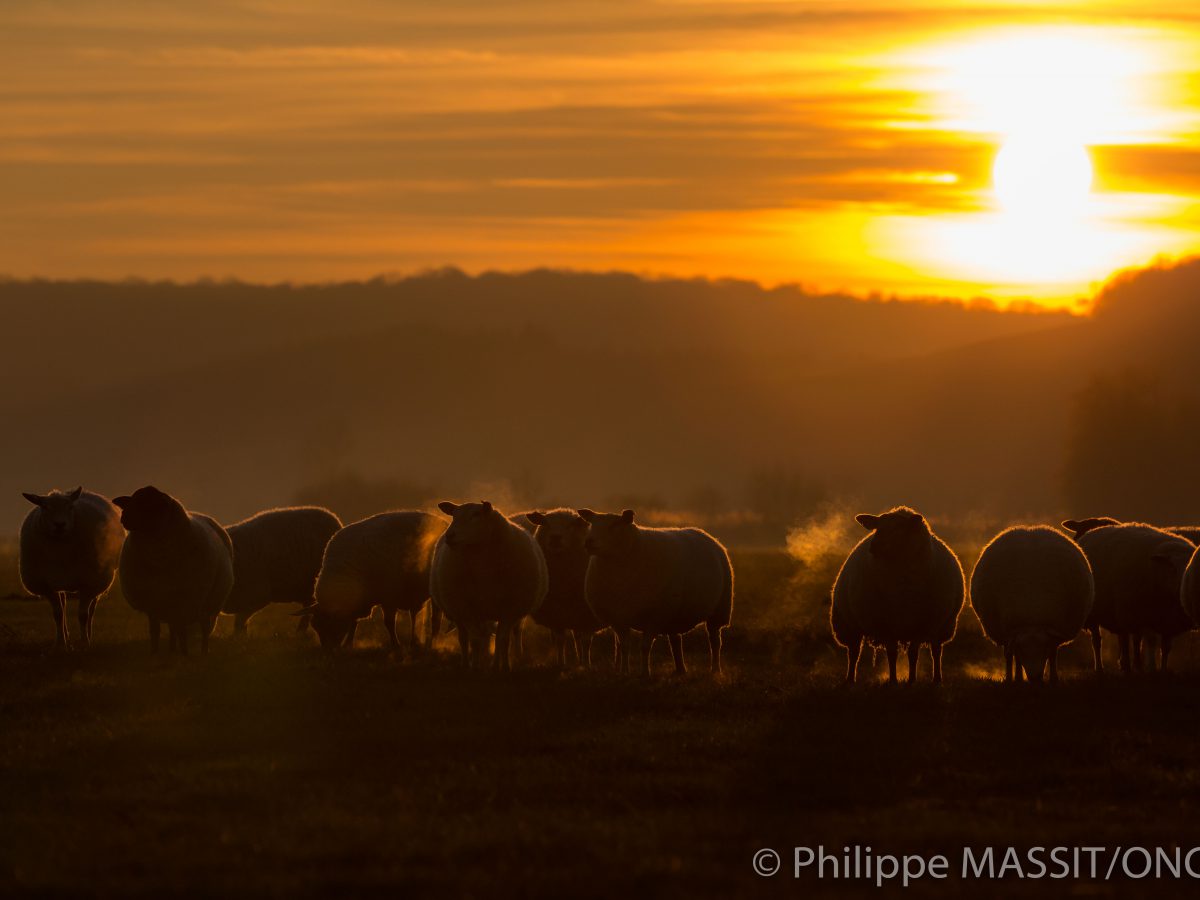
837 144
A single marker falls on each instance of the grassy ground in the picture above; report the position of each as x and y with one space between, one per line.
269 768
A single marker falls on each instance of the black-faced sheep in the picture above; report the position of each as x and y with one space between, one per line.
176 566
276 558
658 581
487 571
1138 571
70 544
380 561
901 585
1032 590
562 535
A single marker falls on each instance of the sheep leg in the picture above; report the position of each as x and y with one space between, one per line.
155 627
82 615
1151 656
1097 640
560 647
1008 665
58 606
182 640
464 646
914 657
172 638
1054 665
389 622
583 649
677 653
893 651
1166 651
414 642
714 648
518 640
348 640
504 633
647 646
1123 643
621 637
435 623
91 617
206 629
1138 659
853 653
1018 669
935 650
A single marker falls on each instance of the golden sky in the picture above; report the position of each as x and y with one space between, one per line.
847 145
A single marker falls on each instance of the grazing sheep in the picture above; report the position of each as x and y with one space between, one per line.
1138 570
486 570
1032 590
562 534
176 566
900 585
380 561
70 544
657 581
276 558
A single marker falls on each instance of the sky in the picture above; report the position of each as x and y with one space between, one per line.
1007 150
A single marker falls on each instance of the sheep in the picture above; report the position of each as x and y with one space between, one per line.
486 569
70 544
276 557
1032 590
657 581
1189 592
1188 532
1138 570
562 534
900 585
380 561
176 566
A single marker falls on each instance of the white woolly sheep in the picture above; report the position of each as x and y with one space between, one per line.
276 558
1138 570
176 566
1032 591
658 581
901 585
380 561
562 535
70 544
487 570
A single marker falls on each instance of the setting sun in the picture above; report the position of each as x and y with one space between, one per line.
1042 177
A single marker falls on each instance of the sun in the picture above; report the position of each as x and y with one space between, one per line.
1040 175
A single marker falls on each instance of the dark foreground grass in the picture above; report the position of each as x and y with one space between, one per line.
268 768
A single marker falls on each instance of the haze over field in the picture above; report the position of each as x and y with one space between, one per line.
717 397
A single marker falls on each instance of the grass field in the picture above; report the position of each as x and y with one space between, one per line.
268 768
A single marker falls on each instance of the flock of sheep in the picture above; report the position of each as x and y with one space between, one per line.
577 572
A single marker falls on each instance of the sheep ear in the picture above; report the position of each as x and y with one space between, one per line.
537 518
487 505
35 499
868 522
74 495
448 508
122 502
627 516
1072 524
586 514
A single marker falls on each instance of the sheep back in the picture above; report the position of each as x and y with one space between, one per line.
277 556
1032 579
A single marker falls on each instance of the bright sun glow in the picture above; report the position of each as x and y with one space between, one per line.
1042 97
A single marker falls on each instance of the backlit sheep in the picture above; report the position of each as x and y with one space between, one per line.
562 535
657 581
901 585
487 571
1032 590
176 566
380 561
70 544
276 558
